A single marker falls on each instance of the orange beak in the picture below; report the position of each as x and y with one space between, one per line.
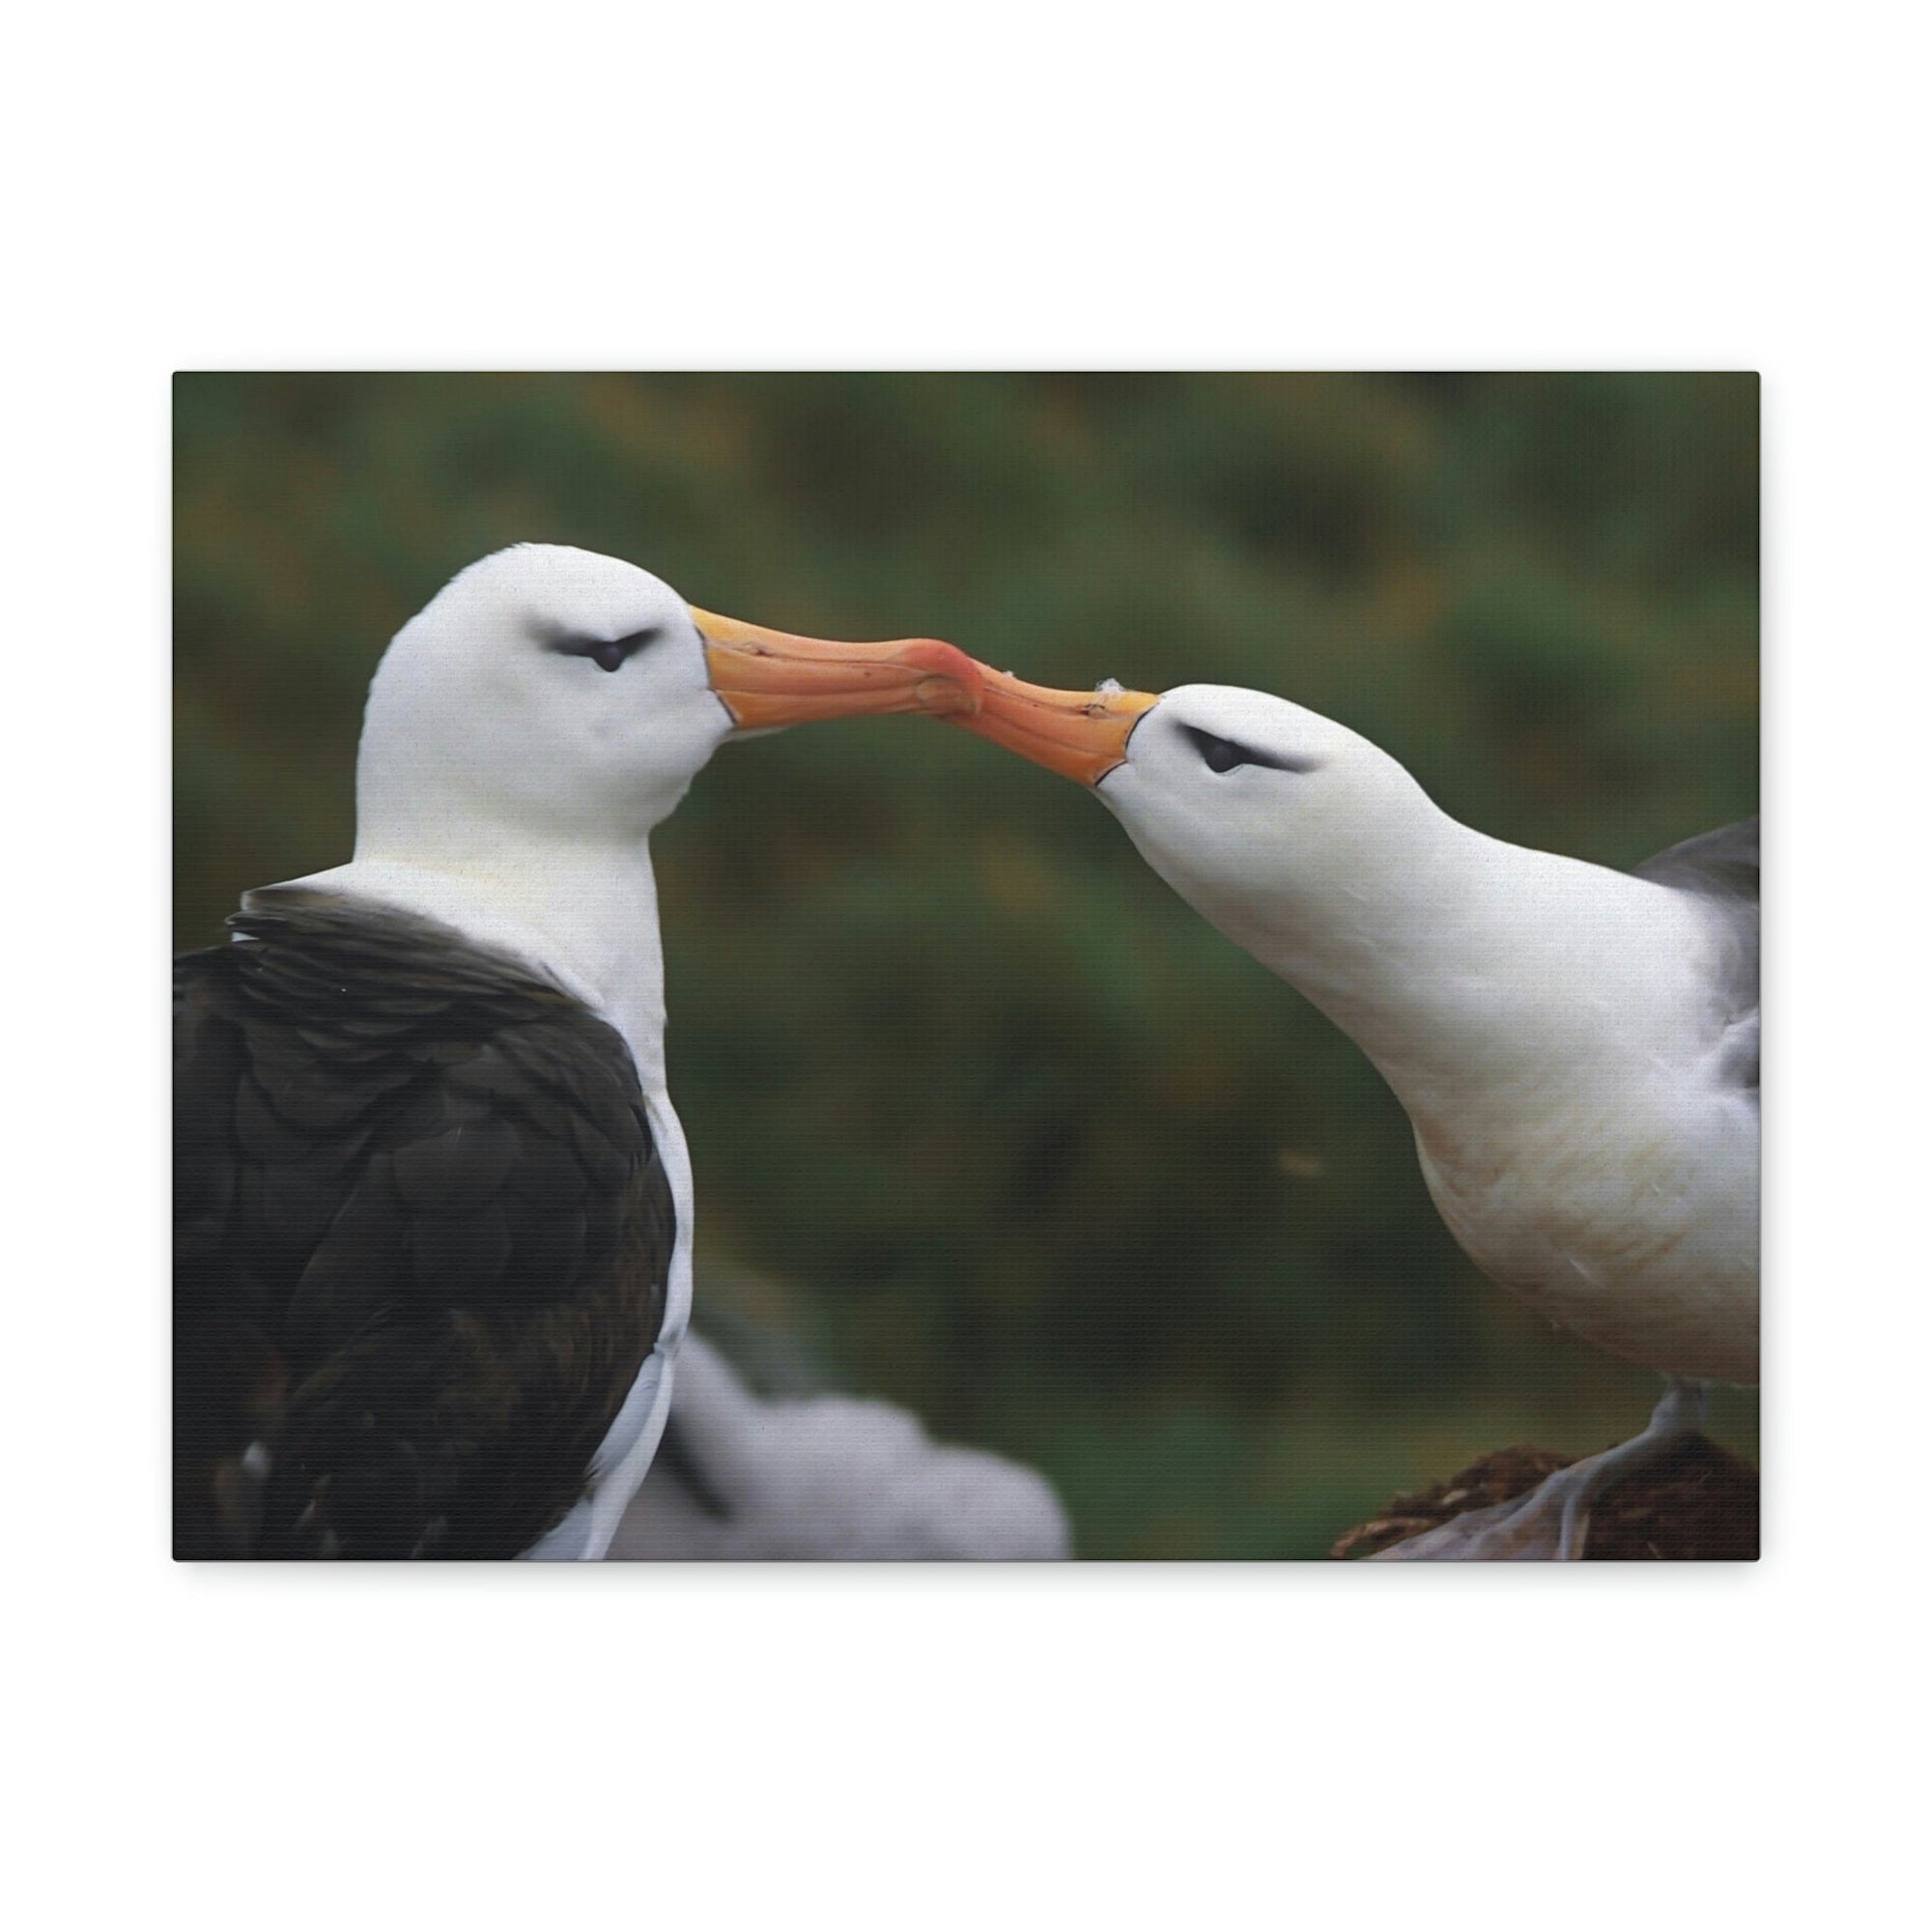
1080 734
769 677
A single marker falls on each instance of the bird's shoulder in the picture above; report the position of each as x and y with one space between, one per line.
1721 865
326 1035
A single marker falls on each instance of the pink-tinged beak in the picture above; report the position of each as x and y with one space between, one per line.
1080 734
767 678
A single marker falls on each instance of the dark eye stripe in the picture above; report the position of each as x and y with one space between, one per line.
608 654
1224 754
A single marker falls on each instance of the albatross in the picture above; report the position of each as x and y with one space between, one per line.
433 1203
820 1478
1576 1048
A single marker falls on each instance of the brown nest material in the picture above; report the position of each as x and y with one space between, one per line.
1696 1504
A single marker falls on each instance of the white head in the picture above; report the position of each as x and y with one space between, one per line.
556 695
1261 813
545 687
1281 827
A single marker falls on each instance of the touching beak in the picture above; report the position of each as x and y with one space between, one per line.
1080 734
768 677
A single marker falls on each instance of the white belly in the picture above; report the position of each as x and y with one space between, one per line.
1635 1228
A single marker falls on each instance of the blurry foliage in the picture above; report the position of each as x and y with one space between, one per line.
993 1119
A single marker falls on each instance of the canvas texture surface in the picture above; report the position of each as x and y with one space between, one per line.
1178 979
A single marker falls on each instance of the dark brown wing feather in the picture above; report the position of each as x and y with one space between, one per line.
422 1240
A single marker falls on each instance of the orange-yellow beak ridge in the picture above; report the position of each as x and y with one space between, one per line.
1080 734
770 677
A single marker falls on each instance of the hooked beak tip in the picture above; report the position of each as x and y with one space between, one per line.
1081 734
953 684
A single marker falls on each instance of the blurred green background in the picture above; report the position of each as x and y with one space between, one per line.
984 1120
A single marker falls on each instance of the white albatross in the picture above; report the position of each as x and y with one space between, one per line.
434 1207
825 1478
1576 1048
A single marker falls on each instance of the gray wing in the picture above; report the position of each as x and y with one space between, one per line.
1721 869
1722 863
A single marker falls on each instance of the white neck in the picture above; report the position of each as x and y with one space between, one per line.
585 912
1458 970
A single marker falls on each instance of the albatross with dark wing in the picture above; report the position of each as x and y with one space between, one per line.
434 1208
1576 1048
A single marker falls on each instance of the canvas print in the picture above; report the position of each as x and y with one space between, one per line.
997 967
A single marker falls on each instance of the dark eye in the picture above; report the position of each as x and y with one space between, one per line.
1223 754
608 654
1218 755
